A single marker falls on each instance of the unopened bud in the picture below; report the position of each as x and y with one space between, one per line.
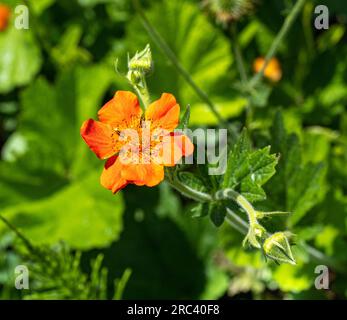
141 61
277 247
134 77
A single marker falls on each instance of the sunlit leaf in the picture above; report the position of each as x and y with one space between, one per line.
20 58
248 170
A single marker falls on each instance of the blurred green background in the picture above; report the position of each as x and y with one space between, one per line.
60 71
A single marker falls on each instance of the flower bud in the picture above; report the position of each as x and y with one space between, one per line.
227 11
135 77
277 247
141 61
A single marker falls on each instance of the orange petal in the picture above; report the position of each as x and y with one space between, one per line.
164 113
123 111
273 70
100 138
184 143
143 174
175 147
111 177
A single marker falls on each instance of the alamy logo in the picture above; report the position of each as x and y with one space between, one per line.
22 279
322 20
22 17
322 281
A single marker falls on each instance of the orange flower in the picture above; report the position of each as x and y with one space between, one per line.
4 16
137 145
272 71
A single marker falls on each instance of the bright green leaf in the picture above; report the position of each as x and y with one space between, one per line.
20 58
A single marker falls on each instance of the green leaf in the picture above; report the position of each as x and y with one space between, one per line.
236 160
227 108
301 184
52 117
20 58
253 192
83 214
293 278
201 210
305 189
153 248
19 184
121 283
217 213
51 189
248 170
192 181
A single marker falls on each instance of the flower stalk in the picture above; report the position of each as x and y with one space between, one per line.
139 66
185 190
256 231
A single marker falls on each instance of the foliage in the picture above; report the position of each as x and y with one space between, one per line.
285 179
55 273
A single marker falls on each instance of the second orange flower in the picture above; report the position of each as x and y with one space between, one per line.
4 16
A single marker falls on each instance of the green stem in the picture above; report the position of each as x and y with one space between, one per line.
18 234
145 94
238 55
320 257
142 91
276 43
241 225
243 74
235 225
163 46
236 222
241 201
185 190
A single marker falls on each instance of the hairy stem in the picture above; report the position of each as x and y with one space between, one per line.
236 222
185 190
142 91
240 224
241 201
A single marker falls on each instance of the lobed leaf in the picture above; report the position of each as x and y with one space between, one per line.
248 170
